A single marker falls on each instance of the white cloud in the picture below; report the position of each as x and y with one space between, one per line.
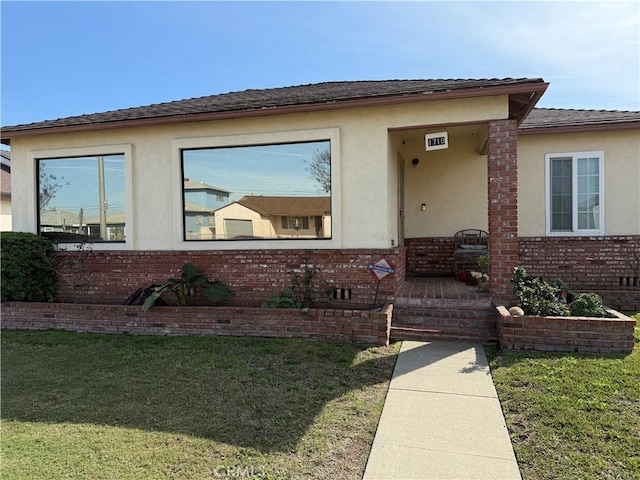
585 49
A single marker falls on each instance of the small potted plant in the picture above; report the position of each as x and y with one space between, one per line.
483 263
482 277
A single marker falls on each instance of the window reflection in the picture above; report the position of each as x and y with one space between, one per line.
82 197
280 191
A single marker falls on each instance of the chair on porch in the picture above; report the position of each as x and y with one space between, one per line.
469 245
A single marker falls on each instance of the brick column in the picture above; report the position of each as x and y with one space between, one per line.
502 162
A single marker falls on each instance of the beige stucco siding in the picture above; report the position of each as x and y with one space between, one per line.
5 214
452 183
622 177
364 206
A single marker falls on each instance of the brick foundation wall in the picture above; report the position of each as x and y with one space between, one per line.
430 256
609 266
566 334
109 277
317 324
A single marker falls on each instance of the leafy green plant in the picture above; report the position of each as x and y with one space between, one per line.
74 269
184 288
563 290
535 296
588 305
28 267
483 262
302 283
302 291
282 300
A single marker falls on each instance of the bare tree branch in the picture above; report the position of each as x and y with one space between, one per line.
320 169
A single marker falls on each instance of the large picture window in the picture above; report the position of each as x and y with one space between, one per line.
276 191
82 197
575 193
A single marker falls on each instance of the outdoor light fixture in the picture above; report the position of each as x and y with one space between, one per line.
423 207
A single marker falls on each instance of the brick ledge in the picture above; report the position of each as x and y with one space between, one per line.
566 334
361 326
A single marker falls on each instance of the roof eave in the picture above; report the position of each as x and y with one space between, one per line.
519 110
596 127
536 89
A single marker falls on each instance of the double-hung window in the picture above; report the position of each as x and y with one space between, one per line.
575 193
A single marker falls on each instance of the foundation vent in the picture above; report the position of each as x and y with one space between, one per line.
630 282
342 294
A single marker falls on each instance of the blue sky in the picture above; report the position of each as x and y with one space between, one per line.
257 170
69 58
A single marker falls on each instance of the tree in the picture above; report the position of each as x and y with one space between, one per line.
49 186
320 169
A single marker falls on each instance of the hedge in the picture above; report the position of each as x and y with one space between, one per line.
27 267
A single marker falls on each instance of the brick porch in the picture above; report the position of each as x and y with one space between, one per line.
441 308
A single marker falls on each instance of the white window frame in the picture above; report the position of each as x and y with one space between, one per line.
574 192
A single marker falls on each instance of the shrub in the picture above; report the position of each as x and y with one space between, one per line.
28 268
535 296
184 288
588 305
303 291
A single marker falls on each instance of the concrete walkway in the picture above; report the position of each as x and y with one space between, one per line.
442 418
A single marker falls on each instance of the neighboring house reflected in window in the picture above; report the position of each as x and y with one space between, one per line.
83 196
5 191
273 191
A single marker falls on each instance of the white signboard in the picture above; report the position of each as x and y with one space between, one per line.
382 268
436 141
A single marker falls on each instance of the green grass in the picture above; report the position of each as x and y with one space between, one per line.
122 407
572 416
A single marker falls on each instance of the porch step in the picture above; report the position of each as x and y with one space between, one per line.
473 302
444 324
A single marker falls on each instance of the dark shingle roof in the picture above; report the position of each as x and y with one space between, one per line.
292 206
247 100
552 118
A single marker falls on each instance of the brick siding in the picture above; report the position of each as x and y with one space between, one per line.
608 266
109 277
432 256
318 324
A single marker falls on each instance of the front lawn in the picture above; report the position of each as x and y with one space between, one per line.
572 416
122 407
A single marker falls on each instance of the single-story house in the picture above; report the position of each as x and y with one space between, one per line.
404 165
59 220
258 216
5 191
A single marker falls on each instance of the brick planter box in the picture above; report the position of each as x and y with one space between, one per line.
566 334
361 326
